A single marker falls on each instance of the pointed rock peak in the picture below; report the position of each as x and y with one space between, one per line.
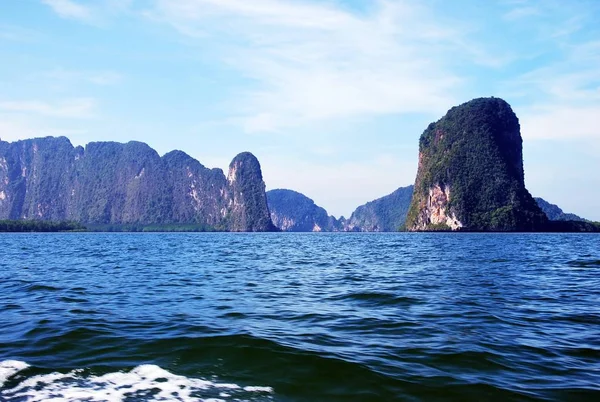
244 164
250 212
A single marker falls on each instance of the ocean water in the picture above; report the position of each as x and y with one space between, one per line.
299 317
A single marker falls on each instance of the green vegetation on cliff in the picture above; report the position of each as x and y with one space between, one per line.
470 172
109 183
385 214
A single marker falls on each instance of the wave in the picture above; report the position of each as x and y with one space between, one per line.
146 382
376 298
584 263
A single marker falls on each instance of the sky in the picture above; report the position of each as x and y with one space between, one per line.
330 95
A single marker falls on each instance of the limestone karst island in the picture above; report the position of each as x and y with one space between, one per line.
470 178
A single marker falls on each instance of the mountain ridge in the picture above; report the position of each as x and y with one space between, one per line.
128 183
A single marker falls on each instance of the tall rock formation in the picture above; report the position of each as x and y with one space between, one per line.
385 214
249 211
470 174
114 183
292 211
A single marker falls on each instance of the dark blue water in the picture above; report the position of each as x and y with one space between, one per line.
299 317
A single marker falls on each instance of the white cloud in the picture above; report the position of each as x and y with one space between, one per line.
13 128
566 123
559 97
521 12
70 9
18 34
94 13
314 61
60 76
565 97
104 77
78 108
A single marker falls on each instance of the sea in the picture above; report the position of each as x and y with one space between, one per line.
299 317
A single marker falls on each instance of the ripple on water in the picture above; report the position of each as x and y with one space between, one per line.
375 317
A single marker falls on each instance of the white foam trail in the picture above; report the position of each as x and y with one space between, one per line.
8 368
146 382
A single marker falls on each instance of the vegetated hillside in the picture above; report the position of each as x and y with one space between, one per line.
470 174
292 211
554 213
385 214
114 183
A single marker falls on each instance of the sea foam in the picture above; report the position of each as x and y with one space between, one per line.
145 382
8 368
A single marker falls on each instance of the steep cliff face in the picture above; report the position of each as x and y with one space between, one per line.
120 183
294 212
385 214
248 204
113 183
24 167
200 195
470 174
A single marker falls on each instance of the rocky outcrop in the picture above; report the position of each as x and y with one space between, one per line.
437 212
292 211
470 174
248 210
385 214
114 183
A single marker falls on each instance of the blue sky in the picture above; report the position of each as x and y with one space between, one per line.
331 96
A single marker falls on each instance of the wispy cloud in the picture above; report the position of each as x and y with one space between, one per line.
313 61
376 177
559 96
567 96
94 13
13 128
60 76
18 34
521 12
79 108
70 9
552 19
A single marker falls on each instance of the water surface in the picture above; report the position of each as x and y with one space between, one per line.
299 317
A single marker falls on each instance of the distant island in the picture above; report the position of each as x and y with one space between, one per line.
470 178
292 211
